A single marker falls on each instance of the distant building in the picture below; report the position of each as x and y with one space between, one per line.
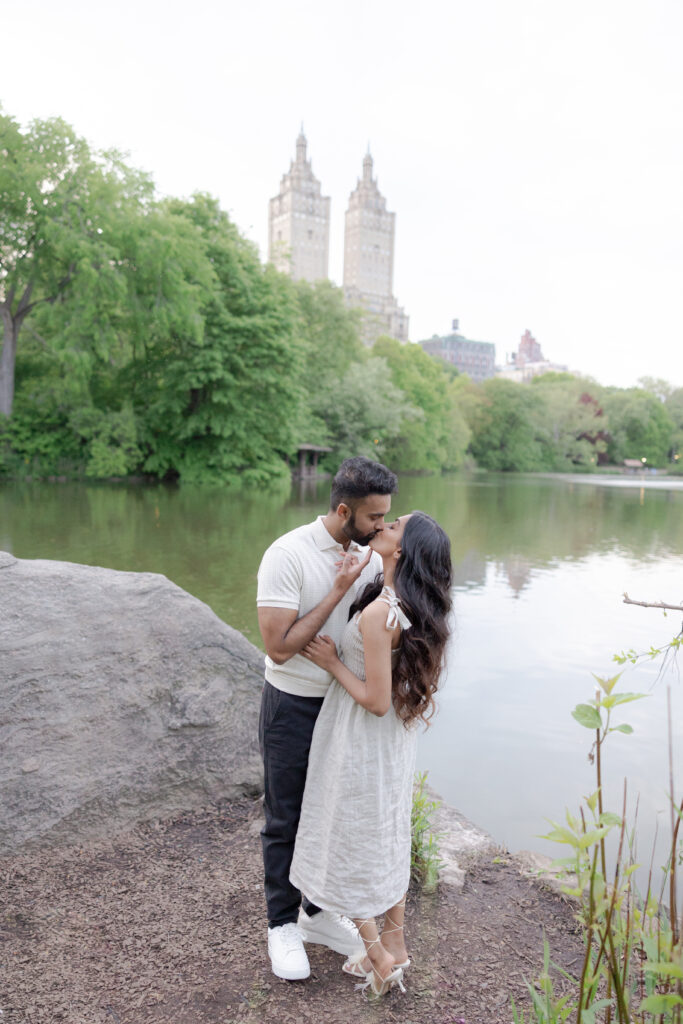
528 362
369 260
299 221
529 350
475 358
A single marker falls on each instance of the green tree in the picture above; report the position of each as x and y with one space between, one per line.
331 342
77 352
362 411
507 427
438 438
573 419
639 425
224 405
657 386
330 330
57 201
674 407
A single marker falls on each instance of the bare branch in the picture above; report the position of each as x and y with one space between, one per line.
654 604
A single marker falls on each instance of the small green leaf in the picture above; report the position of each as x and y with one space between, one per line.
626 698
624 727
562 835
592 800
609 818
667 969
607 684
587 716
592 837
661 1003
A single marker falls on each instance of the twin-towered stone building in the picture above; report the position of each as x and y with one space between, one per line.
299 221
299 242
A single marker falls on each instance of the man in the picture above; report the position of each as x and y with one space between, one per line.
307 582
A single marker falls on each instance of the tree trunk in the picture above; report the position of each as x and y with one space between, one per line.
8 356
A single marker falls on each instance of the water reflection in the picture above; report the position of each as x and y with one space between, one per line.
539 566
210 541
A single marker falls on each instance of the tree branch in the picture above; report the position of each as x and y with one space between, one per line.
50 299
654 604
24 301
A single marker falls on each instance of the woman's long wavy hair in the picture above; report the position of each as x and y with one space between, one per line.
422 583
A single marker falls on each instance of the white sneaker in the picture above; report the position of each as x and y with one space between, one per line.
331 930
287 954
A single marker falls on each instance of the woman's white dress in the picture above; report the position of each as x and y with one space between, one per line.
352 852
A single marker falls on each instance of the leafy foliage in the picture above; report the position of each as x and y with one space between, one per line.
223 404
573 420
632 966
60 206
363 411
639 425
507 428
424 842
436 438
145 336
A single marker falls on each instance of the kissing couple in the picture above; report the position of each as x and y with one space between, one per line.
354 611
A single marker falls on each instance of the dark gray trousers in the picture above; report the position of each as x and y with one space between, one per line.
285 730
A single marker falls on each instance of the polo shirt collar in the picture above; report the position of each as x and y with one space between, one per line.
324 539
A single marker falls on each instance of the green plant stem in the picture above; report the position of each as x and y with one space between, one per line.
612 957
598 768
608 1013
675 932
589 937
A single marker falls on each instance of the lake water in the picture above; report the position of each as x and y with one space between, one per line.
540 567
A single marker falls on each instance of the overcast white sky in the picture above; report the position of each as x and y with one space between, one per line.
532 149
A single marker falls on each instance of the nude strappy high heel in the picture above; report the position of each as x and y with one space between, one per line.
354 964
395 978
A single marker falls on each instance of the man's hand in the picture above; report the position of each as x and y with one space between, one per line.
349 569
322 652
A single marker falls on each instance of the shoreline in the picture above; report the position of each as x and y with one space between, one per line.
615 477
163 923
619 481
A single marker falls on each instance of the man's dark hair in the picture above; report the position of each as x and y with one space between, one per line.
358 478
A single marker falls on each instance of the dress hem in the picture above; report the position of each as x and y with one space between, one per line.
336 908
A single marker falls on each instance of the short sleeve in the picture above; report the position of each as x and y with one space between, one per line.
279 579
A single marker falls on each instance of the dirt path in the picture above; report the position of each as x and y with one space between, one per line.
165 923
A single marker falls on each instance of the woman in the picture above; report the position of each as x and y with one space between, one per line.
352 852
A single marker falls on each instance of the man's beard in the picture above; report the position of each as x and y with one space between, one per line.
350 530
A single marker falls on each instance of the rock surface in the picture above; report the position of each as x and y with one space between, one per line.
460 842
122 698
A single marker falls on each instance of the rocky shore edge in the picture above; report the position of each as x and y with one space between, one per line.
130 867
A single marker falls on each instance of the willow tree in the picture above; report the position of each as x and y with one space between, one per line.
57 199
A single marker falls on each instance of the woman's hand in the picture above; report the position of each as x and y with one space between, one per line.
322 651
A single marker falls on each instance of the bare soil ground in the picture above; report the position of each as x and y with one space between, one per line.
165 923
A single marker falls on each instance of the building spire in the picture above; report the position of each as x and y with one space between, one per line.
367 166
301 146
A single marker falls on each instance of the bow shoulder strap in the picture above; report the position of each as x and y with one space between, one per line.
396 615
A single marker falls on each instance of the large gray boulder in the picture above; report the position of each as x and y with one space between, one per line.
122 697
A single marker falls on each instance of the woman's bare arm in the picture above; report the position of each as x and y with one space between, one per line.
373 693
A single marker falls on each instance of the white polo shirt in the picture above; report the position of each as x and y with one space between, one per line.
297 571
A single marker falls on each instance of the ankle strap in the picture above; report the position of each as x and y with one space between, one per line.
369 943
387 917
